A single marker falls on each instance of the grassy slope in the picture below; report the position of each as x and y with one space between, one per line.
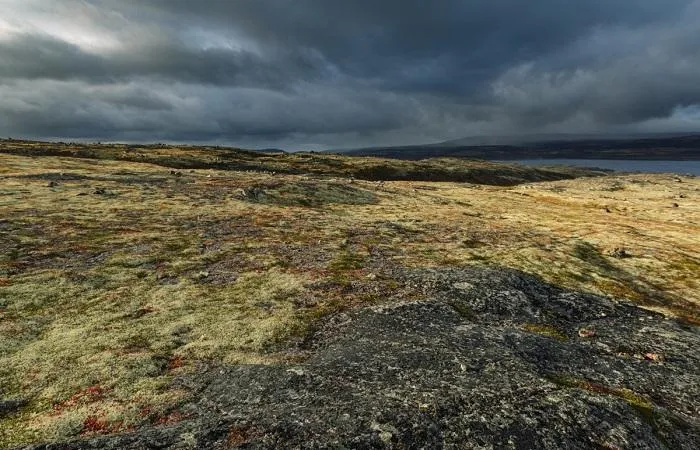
115 275
323 164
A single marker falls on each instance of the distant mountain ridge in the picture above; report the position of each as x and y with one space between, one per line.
665 146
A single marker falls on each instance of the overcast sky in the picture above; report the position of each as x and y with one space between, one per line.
344 73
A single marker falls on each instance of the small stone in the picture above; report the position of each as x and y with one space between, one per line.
188 440
619 252
675 205
386 431
180 330
463 286
654 357
385 436
586 332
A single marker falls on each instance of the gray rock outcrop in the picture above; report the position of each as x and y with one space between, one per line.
490 358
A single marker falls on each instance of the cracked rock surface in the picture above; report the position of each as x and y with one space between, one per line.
490 358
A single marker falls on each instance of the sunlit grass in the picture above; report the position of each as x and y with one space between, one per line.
116 276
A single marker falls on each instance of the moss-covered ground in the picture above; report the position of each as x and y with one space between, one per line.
117 273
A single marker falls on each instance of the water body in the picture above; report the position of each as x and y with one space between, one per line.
679 167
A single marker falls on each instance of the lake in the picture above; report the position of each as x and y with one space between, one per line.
679 167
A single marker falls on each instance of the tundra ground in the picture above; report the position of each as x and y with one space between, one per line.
117 275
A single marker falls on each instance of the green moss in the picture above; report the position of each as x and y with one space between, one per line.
88 340
638 401
347 260
13 429
545 330
98 290
642 405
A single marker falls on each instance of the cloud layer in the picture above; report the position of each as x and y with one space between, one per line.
316 73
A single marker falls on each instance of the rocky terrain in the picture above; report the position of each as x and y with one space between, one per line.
491 358
167 297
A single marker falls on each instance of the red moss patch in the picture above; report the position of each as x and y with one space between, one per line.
176 362
238 436
88 395
98 424
170 419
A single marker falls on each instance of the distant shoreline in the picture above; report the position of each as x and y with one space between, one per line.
618 165
677 148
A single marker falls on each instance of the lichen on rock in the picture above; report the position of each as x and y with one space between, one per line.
420 374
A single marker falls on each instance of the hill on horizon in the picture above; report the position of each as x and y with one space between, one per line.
651 146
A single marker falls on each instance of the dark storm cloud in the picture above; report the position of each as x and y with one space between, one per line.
344 72
56 59
443 46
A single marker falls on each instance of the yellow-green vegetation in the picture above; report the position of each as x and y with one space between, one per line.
644 407
545 330
323 164
117 273
637 401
